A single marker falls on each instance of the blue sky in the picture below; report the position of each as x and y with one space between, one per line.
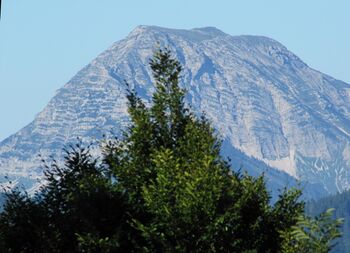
44 43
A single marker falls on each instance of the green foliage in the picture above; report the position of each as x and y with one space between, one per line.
90 244
77 203
312 235
163 187
341 203
187 197
23 225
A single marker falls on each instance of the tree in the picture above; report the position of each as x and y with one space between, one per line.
169 163
82 202
340 202
162 187
23 225
311 235
78 202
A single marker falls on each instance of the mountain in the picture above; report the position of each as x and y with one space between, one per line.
274 113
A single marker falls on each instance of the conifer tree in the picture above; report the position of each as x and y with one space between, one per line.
191 201
162 187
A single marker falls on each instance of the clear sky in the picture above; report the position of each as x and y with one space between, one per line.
43 43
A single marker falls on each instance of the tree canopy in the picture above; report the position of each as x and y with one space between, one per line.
162 187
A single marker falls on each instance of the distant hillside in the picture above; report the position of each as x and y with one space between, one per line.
341 203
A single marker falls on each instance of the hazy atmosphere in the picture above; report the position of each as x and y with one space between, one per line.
44 43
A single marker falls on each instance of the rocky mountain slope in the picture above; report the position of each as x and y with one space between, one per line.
270 108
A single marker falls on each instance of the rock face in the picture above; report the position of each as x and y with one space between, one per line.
269 107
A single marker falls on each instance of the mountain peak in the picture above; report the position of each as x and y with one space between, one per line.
264 101
196 34
200 34
210 30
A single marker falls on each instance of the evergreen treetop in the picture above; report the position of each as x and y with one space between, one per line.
162 187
